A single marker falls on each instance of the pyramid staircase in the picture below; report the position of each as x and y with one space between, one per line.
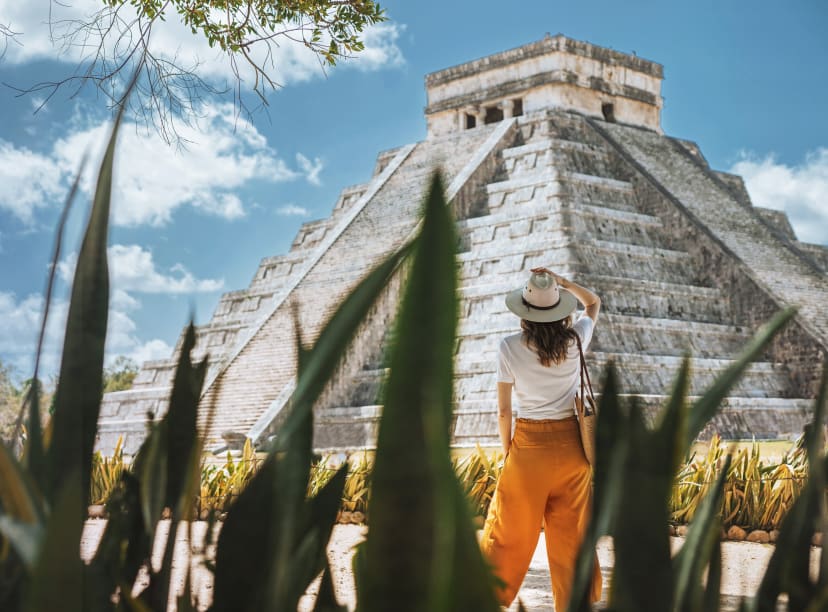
681 260
566 195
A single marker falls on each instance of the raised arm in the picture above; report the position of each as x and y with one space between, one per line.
591 302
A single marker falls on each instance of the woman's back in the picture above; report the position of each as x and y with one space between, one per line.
542 392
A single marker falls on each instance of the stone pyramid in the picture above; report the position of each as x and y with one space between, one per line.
554 155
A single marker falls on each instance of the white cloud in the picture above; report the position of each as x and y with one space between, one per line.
21 325
801 190
292 210
151 351
311 169
290 62
132 268
152 179
22 319
381 50
30 181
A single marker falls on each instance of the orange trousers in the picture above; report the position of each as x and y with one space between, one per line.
546 480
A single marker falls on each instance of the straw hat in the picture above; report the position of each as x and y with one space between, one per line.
541 300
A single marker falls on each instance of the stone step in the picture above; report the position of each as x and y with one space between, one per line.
617 333
646 297
483 296
559 154
542 145
153 374
638 374
346 427
739 418
554 178
475 422
593 256
537 218
511 266
539 186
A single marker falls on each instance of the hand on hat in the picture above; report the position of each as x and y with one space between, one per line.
558 279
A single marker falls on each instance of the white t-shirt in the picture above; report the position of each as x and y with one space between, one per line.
543 392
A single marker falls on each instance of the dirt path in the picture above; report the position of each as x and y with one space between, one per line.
743 564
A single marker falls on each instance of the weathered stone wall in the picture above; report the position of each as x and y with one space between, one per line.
798 353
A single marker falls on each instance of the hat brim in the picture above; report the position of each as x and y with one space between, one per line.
565 307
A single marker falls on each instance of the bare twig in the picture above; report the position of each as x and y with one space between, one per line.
171 90
7 35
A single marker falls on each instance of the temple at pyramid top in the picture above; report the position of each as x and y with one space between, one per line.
555 72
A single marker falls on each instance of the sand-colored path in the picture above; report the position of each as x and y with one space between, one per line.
743 566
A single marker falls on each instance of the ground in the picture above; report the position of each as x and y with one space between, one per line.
743 566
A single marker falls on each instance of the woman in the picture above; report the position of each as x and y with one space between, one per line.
546 479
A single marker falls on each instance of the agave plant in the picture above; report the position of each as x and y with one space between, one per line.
106 473
633 474
479 473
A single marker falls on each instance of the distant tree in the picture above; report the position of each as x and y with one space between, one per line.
115 43
9 402
120 375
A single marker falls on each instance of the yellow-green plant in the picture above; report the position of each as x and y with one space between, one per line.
222 483
479 472
357 490
757 493
106 473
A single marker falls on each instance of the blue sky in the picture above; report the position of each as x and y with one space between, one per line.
747 80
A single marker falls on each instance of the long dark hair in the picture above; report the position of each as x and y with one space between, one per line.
550 340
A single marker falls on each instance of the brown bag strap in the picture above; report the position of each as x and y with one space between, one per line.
585 381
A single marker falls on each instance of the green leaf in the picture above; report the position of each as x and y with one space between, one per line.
79 390
125 545
671 443
612 447
244 553
358 570
788 570
706 406
35 457
17 497
25 537
181 419
278 489
642 574
57 579
412 480
151 470
700 545
712 596
324 358
321 513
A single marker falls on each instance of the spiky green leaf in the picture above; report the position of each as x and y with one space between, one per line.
412 481
80 386
698 549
